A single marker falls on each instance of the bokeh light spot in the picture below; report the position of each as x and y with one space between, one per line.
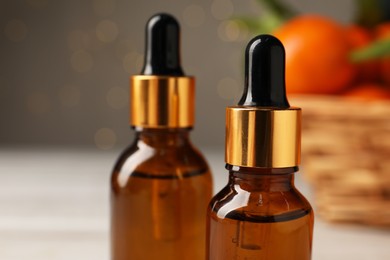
222 9
69 95
228 88
81 61
105 138
194 15
15 30
104 7
231 31
117 98
38 103
107 31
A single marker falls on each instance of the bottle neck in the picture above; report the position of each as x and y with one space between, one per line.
164 137
262 179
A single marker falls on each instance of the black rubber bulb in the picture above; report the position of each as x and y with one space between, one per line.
162 46
264 73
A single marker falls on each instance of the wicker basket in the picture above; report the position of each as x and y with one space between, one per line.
346 157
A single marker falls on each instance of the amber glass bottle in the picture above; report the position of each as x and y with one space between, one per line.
161 184
260 215
160 189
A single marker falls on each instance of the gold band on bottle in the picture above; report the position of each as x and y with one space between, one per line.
162 101
261 137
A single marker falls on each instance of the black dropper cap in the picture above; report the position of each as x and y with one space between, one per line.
264 73
162 48
263 131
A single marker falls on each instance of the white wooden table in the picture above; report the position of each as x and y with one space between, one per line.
54 206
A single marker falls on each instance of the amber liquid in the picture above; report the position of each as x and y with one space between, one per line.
257 240
259 215
160 192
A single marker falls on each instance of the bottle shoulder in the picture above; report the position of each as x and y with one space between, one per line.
140 158
259 206
142 153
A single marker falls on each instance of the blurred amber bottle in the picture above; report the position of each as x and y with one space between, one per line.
260 215
161 184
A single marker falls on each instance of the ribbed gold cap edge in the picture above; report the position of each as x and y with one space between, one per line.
262 137
162 101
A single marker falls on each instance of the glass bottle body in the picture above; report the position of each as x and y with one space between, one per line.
160 188
259 215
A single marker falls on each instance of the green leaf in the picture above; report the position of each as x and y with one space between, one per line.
377 49
274 15
280 9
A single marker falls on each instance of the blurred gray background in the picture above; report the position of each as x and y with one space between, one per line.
65 65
